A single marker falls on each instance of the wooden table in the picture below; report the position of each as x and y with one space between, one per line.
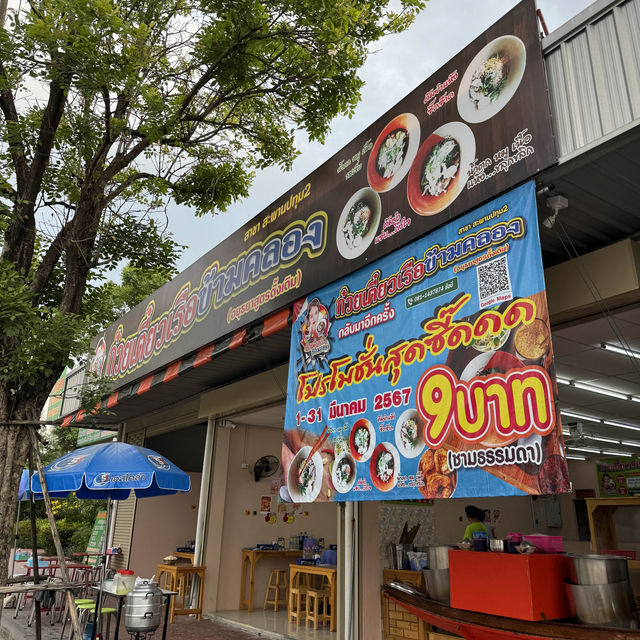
483 626
327 571
179 578
250 558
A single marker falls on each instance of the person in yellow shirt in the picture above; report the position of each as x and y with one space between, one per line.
475 516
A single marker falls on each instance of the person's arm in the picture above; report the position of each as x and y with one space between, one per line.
468 532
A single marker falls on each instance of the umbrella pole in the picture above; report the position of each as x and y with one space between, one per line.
75 622
34 556
15 541
97 617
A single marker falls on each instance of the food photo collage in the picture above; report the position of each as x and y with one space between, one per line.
437 167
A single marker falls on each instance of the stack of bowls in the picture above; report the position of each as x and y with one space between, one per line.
436 577
599 591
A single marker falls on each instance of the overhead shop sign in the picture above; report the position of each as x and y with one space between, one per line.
478 126
431 369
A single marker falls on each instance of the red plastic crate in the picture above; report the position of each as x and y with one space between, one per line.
526 587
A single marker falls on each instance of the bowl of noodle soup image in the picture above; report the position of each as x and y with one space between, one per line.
305 488
393 152
440 170
409 434
384 466
358 223
491 79
343 472
362 440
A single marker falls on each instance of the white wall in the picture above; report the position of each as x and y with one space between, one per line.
238 530
161 525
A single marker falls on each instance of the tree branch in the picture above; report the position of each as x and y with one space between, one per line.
49 261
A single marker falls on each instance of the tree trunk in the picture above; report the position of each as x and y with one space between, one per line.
15 445
14 448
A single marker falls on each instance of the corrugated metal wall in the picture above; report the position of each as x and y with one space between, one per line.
593 71
125 516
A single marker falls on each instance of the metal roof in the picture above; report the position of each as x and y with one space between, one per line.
593 72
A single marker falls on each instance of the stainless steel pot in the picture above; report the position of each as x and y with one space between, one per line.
603 604
143 607
437 583
438 557
595 569
496 544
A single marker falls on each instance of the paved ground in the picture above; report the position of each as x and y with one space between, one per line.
183 628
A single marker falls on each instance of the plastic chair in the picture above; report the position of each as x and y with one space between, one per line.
85 612
278 585
49 610
66 616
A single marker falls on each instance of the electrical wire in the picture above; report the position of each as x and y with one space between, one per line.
572 252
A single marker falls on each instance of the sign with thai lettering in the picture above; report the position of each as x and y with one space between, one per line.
429 373
96 540
619 477
475 128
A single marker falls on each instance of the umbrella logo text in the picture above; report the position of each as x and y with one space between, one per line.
159 462
67 462
101 479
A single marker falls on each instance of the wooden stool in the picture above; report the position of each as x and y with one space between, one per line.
278 584
317 609
297 604
180 578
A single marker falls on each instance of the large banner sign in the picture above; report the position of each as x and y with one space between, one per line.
475 128
429 373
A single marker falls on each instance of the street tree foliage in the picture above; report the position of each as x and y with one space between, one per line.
109 110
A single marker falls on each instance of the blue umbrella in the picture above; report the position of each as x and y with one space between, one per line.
23 489
23 494
111 470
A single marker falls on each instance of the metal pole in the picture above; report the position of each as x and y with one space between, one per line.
203 502
97 615
34 553
203 507
348 571
15 539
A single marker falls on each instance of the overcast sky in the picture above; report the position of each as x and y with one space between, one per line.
399 64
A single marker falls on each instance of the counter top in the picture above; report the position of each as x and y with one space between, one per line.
477 625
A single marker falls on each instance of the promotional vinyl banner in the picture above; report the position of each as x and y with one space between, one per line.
619 477
429 373
478 126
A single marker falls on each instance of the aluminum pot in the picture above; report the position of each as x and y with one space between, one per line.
438 557
143 607
437 584
603 604
595 569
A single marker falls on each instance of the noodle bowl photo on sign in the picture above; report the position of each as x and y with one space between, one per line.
409 434
362 440
358 223
343 473
304 484
384 466
441 168
393 152
491 79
